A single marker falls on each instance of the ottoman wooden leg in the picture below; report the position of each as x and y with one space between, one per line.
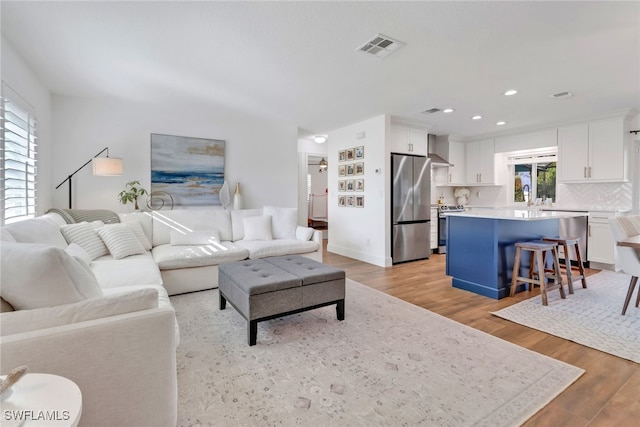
223 302
340 309
252 331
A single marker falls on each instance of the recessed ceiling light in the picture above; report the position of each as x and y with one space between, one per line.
510 92
448 110
476 117
501 123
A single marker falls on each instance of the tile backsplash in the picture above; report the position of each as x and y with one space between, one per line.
606 196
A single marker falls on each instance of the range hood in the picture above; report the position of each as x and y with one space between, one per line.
436 160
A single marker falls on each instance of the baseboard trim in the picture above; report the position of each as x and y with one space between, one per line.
360 256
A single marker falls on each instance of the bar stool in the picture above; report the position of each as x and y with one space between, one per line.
538 249
566 242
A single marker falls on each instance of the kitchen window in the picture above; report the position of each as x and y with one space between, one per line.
17 158
533 177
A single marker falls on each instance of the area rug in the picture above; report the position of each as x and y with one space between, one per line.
591 317
388 363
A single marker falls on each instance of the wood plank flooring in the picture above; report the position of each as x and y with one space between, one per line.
608 394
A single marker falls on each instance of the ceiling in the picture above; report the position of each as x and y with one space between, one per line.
296 62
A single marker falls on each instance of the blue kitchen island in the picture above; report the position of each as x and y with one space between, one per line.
481 245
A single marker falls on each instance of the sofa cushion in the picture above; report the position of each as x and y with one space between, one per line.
93 308
137 229
129 271
35 276
194 238
80 254
170 257
236 221
144 220
86 235
283 221
264 248
304 233
257 228
188 220
37 230
121 240
5 236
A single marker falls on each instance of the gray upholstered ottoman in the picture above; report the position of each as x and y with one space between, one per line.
263 289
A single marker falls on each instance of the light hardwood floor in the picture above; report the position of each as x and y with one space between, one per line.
608 394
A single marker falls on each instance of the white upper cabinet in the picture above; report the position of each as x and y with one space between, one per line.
480 157
592 152
408 140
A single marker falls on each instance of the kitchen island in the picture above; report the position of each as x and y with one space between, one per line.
481 245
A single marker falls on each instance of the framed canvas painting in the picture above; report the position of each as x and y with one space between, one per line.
341 156
191 170
359 167
342 170
359 152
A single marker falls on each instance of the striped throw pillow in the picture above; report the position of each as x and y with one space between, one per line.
86 236
121 240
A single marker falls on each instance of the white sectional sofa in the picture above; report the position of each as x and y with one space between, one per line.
104 320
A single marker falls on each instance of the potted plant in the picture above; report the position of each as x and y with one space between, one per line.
133 190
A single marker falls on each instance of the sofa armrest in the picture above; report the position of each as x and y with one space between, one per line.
317 237
125 365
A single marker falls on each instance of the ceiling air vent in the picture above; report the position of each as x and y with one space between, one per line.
381 46
561 95
431 111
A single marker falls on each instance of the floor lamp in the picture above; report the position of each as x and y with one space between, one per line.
102 166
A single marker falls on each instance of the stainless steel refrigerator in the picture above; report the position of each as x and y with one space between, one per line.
411 207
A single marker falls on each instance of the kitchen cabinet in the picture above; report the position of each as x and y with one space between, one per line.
601 245
453 152
408 140
480 169
592 152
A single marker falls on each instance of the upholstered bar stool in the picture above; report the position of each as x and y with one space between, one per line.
567 242
537 250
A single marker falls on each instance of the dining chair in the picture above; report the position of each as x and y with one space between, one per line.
624 227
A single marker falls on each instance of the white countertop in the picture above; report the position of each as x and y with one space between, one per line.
515 214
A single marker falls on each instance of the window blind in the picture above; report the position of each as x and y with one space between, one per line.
17 157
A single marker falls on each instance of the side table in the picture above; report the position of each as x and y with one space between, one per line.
41 400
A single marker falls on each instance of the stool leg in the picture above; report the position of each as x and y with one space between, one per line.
541 278
340 309
556 264
632 286
223 302
532 272
567 264
252 331
580 266
516 273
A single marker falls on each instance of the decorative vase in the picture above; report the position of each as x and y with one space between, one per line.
237 198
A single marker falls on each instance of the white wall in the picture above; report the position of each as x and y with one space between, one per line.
362 233
17 74
260 154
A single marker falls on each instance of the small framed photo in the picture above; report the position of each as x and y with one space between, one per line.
359 152
350 201
350 170
359 167
341 156
351 154
342 185
342 170
342 200
359 185
351 186
359 201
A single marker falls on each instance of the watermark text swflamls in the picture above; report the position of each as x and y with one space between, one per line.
34 415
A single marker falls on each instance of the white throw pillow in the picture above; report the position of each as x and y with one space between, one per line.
82 311
139 232
284 221
121 240
257 228
196 237
77 252
35 276
85 235
304 233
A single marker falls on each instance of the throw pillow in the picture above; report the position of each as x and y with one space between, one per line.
304 233
86 236
121 240
139 232
82 311
77 252
257 228
196 237
284 221
35 276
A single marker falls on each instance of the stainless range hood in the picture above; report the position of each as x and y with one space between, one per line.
436 160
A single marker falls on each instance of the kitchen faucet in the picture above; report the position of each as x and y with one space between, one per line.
528 193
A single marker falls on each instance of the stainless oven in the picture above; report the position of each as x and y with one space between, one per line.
442 225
